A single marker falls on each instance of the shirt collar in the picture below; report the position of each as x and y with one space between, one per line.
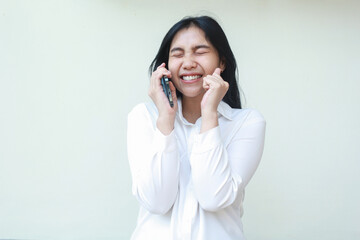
223 109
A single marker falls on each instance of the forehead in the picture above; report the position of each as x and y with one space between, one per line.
189 37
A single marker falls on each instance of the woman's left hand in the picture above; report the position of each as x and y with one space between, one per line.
216 89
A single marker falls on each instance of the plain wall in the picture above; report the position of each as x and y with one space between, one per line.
70 71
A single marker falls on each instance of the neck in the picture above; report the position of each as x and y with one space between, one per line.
191 108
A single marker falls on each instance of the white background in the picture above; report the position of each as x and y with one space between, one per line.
70 71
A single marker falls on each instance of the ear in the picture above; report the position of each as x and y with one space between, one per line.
222 64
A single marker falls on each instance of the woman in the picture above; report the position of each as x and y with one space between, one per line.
191 162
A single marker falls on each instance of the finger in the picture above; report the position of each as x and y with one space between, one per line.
212 79
172 87
161 65
163 70
206 82
173 91
217 71
158 74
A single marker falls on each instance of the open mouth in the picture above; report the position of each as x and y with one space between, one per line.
191 77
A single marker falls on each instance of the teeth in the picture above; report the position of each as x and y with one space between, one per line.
188 78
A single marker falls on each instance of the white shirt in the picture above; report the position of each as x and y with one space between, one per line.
191 185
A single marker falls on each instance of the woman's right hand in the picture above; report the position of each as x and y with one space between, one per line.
166 119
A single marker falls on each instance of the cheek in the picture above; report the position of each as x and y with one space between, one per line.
209 63
213 65
171 62
173 67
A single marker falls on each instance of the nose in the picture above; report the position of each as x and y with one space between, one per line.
189 62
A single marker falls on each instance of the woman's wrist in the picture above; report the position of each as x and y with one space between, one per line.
209 120
165 124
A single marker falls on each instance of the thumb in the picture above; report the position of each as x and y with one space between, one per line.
173 90
217 71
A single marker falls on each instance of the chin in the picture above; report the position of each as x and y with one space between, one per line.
193 94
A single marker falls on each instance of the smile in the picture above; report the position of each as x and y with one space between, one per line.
191 78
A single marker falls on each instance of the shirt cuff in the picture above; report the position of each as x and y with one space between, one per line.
206 141
165 143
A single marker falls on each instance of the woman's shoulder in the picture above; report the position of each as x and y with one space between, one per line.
248 115
147 109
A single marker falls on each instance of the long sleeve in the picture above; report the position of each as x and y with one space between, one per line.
219 172
153 160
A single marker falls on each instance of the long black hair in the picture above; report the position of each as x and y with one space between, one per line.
216 36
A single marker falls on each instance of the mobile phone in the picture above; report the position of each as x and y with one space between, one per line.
166 88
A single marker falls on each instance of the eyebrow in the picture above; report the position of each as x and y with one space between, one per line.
201 46
176 49
195 48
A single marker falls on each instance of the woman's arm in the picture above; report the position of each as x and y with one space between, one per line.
220 173
154 162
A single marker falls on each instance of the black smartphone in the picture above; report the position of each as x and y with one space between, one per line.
166 88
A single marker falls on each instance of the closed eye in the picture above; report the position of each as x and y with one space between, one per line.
201 52
201 49
177 54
